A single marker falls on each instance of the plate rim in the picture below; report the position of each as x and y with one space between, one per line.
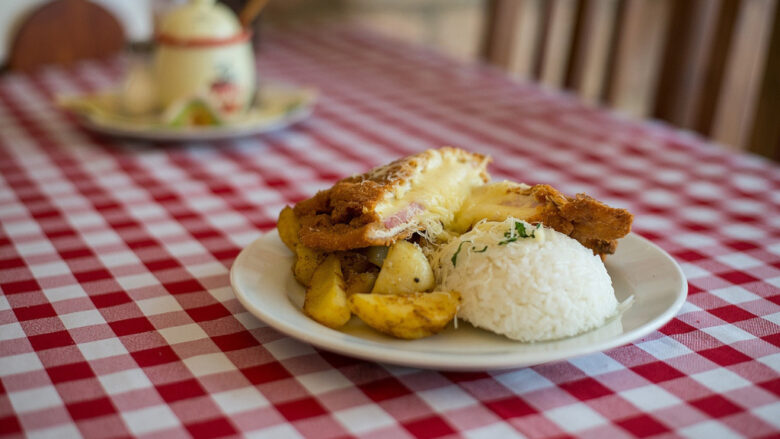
204 135
336 341
165 134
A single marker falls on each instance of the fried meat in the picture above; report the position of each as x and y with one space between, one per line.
419 193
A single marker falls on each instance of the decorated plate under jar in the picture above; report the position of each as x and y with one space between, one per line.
275 106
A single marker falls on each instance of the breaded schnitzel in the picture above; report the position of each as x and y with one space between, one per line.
444 190
419 193
591 222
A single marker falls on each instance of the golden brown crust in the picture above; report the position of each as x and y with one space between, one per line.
591 222
601 247
344 217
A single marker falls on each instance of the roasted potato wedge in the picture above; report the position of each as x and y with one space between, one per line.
326 300
404 270
376 254
361 283
359 273
288 227
354 262
408 316
306 261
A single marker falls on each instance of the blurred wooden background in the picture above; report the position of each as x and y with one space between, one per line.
712 66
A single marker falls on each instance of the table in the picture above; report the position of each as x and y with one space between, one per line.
117 317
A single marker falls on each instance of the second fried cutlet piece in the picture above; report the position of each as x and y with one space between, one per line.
419 193
591 222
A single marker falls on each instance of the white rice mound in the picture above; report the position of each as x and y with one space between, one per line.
532 289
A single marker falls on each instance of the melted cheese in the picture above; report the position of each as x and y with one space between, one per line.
432 197
494 202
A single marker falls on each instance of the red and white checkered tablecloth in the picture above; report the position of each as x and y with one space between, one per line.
117 317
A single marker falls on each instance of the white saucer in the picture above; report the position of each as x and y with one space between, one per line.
278 106
262 280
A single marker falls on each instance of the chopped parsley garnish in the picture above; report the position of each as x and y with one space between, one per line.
508 240
518 232
454 258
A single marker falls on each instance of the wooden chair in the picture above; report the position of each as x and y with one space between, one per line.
712 66
64 31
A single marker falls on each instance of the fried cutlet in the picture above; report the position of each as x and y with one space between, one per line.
591 222
420 193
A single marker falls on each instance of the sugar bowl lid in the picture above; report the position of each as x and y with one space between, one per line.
199 21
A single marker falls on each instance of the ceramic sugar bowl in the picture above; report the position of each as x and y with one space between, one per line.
204 56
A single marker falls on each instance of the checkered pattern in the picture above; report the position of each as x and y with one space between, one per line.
117 318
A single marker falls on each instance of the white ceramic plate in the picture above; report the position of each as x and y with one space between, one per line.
263 282
278 106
